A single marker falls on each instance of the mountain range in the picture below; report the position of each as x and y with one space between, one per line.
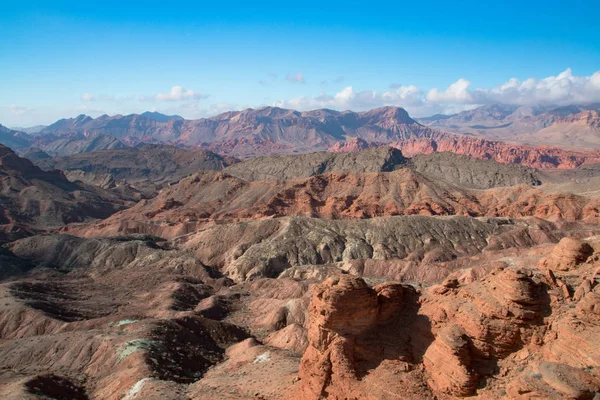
567 126
267 130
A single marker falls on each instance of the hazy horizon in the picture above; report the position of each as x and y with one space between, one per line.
550 106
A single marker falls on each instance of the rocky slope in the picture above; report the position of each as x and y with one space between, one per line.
329 275
35 200
14 139
269 247
464 171
147 167
64 145
209 198
470 172
581 130
35 154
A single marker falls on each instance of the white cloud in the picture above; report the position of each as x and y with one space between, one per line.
458 92
177 93
297 77
88 97
564 88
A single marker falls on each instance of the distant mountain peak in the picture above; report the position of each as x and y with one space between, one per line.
159 117
389 113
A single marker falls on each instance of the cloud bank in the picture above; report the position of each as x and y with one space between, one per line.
564 88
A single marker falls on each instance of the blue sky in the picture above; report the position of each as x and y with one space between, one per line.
60 59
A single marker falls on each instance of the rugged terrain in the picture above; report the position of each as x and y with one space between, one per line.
146 167
146 318
33 200
508 153
373 272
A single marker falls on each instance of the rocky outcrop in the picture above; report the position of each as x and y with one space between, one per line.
509 325
346 317
451 342
282 167
567 255
448 359
554 381
352 146
483 321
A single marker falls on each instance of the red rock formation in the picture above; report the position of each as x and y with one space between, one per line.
448 360
352 145
567 255
507 322
347 321
535 157
504 152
